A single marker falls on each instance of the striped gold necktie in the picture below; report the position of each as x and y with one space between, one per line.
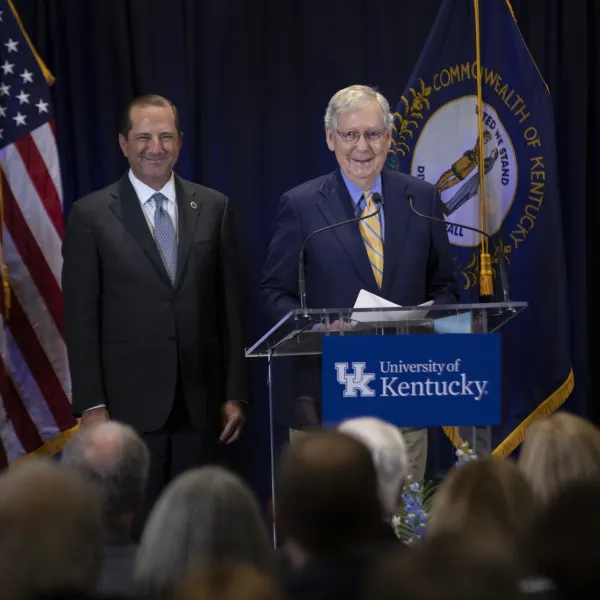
370 230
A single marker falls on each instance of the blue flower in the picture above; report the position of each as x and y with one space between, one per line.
411 521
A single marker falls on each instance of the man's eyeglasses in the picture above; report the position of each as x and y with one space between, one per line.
352 137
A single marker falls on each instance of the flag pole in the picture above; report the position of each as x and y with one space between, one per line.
486 286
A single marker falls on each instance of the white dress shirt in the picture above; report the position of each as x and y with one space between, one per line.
144 194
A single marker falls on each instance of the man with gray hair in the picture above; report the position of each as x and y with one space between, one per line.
393 254
116 460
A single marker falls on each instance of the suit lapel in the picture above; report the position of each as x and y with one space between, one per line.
126 206
336 206
397 217
188 209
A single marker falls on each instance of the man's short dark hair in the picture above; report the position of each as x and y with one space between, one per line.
327 497
142 102
116 460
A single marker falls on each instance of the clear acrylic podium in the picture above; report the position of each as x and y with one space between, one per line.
301 331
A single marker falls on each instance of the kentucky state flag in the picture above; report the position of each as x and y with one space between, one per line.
436 138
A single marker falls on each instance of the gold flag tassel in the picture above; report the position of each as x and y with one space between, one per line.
486 282
5 282
486 286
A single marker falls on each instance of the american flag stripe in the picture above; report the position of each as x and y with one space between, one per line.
31 255
41 180
11 445
45 140
35 387
39 365
24 289
20 419
29 392
30 203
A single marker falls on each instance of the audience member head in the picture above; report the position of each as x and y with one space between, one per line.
388 450
50 530
231 581
204 516
116 460
487 497
327 501
450 566
557 451
565 541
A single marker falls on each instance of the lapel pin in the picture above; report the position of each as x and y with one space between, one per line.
193 205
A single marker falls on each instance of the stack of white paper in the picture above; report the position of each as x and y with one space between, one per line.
367 300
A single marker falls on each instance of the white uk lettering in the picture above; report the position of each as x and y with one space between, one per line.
387 386
356 382
395 387
466 385
481 388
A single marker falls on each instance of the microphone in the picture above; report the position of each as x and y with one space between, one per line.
501 263
377 199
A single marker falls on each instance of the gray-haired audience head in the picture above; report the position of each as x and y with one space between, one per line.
50 530
116 459
206 515
388 450
327 501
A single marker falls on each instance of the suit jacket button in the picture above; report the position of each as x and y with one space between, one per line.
172 338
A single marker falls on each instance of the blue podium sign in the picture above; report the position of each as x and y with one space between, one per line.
413 380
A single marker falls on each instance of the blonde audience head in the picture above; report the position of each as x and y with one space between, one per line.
485 497
558 451
229 581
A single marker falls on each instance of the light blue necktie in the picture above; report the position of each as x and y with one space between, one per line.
165 236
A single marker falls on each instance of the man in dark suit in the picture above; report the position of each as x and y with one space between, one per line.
397 255
151 303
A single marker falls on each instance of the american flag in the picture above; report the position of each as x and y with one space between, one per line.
35 386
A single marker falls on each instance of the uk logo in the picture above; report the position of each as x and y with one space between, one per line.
355 382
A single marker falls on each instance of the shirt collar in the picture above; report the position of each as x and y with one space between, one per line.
145 192
356 193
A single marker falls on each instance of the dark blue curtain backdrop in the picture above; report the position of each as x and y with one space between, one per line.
252 79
